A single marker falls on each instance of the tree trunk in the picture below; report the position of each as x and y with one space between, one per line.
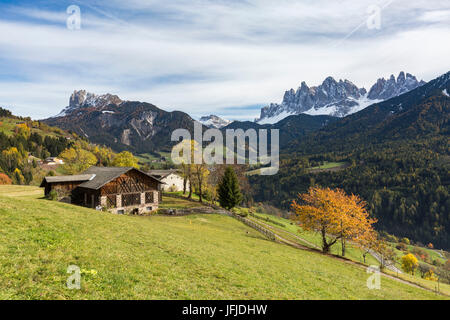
325 245
199 187
184 185
343 246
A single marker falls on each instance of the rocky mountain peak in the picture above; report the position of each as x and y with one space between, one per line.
385 89
213 121
80 98
337 98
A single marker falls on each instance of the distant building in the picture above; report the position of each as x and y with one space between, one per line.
53 161
172 179
117 189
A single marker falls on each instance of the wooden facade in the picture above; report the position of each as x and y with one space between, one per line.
118 190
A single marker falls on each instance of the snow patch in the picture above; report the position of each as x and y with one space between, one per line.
276 118
445 92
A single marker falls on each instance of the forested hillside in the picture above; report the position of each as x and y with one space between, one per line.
25 144
398 157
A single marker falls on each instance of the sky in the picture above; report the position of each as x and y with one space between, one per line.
228 58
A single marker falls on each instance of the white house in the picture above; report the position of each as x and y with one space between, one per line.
173 181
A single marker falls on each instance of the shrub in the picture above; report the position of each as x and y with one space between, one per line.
4 179
405 240
53 195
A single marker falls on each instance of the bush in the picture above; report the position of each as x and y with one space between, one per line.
405 241
53 195
401 246
4 179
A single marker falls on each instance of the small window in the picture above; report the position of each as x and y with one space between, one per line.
121 211
149 208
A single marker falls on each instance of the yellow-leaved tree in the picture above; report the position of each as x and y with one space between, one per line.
409 263
77 160
335 215
125 159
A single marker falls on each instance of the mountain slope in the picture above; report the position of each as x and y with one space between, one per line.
291 128
398 160
123 125
191 257
337 98
422 111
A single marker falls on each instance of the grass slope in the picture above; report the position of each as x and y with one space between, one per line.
191 257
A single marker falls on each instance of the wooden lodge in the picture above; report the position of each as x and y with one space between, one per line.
117 189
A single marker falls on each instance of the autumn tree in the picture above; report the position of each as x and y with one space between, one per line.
4 179
125 159
200 174
13 158
335 215
23 130
104 155
186 158
18 177
409 263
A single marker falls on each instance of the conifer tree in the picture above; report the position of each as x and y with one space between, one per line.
228 189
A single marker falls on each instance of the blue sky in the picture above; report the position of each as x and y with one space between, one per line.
210 57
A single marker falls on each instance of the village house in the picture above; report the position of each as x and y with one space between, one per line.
53 161
118 189
173 181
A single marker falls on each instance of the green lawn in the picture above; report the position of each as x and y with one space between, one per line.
328 165
190 257
175 203
7 125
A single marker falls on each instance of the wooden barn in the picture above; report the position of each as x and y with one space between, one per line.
117 189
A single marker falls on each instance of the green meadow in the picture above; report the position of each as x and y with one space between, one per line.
157 257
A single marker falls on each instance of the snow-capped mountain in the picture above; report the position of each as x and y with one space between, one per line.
385 89
336 98
213 121
83 99
136 126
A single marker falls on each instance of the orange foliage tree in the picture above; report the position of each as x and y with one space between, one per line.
4 179
335 215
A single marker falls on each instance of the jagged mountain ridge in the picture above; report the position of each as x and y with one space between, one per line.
123 125
336 98
421 111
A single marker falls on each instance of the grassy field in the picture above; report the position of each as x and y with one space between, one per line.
314 238
353 252
328 165
190 257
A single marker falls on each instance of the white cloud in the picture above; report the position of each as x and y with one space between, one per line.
207 57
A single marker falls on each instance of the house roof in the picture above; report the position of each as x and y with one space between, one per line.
95 177
103 175
73 178
161 174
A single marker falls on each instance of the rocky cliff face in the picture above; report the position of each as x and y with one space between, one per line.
336 98
123 125
385 89
213 121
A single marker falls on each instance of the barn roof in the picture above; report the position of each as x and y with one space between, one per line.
103 175
73 178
